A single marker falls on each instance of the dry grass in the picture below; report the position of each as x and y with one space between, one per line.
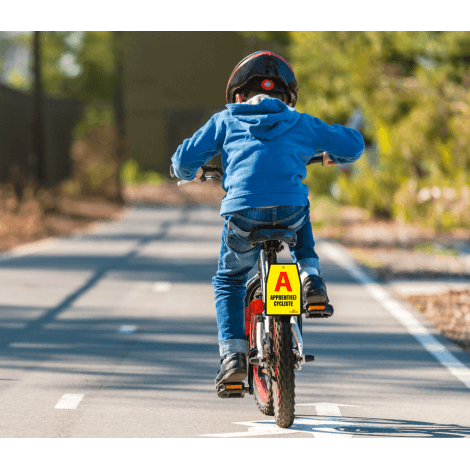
47 215
169 194
449 312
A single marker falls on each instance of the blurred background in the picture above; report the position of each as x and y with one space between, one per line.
95 116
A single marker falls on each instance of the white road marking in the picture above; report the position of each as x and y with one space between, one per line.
162 287
69 401
318 427
327 409
404 316
126 329
26 249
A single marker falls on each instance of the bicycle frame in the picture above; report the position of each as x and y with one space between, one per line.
268 256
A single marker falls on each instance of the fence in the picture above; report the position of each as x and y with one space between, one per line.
16 148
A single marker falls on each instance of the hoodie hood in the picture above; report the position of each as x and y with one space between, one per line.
265 119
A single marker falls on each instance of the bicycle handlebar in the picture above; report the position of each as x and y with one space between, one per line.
210 172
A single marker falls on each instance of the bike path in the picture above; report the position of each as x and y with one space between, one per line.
117 330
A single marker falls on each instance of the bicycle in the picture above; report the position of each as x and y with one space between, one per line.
272 357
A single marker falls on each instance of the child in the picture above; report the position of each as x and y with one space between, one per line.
265 145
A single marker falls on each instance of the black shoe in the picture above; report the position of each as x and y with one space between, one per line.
314 290
232 369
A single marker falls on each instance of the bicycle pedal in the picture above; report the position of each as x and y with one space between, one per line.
319 311
308 358
232 390
255 360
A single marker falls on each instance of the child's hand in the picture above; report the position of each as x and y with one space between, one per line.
199 173
327 160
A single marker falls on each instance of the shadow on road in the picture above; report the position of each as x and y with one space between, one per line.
176 353
383 427
170 354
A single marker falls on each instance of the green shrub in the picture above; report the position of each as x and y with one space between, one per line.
131 174
436 249
414 91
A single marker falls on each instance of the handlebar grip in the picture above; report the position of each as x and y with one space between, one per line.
212 169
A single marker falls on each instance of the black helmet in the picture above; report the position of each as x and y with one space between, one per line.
265 65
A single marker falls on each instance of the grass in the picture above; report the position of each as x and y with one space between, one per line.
432 248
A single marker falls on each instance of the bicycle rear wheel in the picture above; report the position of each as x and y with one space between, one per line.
283 385
262 389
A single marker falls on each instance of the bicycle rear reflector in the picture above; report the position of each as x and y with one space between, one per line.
316 307
283 290
257 306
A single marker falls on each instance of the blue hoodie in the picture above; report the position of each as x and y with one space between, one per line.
265 148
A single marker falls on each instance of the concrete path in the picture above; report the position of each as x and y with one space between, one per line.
113 334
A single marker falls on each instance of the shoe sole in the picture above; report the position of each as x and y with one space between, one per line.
317 299
236 375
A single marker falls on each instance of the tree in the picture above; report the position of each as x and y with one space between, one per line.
413 89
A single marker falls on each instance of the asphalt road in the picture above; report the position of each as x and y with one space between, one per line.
113 334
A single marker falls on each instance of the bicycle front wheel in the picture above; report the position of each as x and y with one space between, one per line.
283 386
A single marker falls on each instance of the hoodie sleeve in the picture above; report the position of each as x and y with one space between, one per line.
205 144
344 145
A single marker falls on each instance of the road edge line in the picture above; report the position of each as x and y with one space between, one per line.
340 255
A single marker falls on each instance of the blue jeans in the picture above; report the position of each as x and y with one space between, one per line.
237 258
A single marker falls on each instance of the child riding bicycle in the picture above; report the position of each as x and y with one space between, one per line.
265 145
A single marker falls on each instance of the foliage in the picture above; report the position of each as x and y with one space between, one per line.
79 64
74 64
413 88
436 249
13 74
132 174
95 166
281 38
82 65
94 115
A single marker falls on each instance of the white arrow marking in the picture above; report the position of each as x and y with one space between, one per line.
326 409
315 425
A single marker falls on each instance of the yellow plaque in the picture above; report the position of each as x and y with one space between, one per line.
283 290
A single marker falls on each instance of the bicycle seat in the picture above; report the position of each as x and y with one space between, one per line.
260 235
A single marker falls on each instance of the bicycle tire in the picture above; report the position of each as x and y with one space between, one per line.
262 388
283 387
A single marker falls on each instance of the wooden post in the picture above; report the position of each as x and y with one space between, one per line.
38 115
